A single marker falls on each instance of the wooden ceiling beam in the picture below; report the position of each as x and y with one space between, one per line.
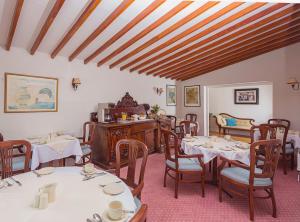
158 22
184 33
14 23
79 22
169 61
268 30
205 32
241 56
254 53
237 60
147 11
167 31
52 15
115 14
243 47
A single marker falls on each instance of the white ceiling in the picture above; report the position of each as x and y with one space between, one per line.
35 12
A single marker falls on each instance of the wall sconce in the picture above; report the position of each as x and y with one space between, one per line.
75 83
158 91
294 83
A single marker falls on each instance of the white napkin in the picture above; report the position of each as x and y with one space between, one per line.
59 143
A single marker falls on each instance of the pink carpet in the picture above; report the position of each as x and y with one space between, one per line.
190 206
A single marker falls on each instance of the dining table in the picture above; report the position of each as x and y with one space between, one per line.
76 199
212 147
55 148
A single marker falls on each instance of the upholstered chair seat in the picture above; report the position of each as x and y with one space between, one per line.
242 176
86 149
189 164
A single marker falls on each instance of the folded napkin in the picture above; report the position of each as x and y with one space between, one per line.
59 143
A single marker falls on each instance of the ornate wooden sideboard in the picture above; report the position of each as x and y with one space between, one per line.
108 134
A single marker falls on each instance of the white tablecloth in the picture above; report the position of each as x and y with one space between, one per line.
43 153
76 200
195 147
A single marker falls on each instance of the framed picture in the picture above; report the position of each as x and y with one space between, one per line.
192 96
171 95
246 96
24 93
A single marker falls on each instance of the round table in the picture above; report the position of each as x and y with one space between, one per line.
195 145
76 200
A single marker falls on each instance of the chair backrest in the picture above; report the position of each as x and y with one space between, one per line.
191 117
189 127
173 121
262 132
7 154
171 145
88 132
271 149
1 137
284 122
141 214
271 131
133 149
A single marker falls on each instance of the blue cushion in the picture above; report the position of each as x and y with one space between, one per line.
138 203
185 164
18 163
231 121
242 176
86 149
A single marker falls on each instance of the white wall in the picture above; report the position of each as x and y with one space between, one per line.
276 67
221 100
98 85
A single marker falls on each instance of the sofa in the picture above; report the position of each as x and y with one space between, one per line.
228 123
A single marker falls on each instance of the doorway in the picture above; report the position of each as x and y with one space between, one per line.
220 99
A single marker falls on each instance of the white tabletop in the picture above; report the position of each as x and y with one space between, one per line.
42 153
76 200
220 148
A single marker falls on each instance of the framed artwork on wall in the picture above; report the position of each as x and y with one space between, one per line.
25 93
246 96
192 96
171 95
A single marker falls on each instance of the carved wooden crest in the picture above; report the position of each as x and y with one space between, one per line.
126 101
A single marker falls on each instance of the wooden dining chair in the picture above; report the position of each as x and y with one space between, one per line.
188 127
181 164
12 163
251 178
141 214
288 149
173 122
87 141
1 137
130 150
191 117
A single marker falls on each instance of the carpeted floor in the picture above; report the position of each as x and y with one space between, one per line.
190 206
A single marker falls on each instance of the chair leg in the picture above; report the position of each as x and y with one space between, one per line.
292 161
203 183
176 185
284 164
165 177
251 204
181 176
220 189
273 203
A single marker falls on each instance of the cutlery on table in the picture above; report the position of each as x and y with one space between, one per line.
96 218
93 176
16 181
36 173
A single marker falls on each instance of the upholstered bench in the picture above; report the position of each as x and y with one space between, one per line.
228 123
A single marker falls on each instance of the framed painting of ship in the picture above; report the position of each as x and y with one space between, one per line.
25 93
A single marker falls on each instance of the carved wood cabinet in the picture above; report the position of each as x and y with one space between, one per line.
108 134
